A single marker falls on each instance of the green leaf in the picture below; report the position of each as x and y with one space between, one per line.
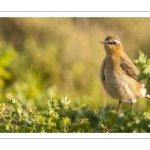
141 60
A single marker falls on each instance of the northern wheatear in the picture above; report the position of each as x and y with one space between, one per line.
119 75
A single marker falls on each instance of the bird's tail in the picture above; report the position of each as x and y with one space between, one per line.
147 96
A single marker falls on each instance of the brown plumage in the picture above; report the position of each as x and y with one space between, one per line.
119 75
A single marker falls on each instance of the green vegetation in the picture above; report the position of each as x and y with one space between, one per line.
57 116
42 59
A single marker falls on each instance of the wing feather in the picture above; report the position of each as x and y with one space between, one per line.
102 70
130 69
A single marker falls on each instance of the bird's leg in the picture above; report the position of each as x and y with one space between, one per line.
118 106
132 105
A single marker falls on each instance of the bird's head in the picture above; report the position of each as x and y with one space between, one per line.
112 45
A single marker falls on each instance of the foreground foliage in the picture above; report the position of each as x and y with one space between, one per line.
57 116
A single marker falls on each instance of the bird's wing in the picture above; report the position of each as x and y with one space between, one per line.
130 69
102 75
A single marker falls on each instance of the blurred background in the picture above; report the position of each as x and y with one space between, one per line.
52 57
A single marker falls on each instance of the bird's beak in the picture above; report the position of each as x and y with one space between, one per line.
104 42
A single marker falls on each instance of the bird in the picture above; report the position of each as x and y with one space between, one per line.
119 75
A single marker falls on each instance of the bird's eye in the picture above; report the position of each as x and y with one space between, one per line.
114 42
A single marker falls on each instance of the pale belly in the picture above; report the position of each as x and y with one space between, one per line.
122 87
